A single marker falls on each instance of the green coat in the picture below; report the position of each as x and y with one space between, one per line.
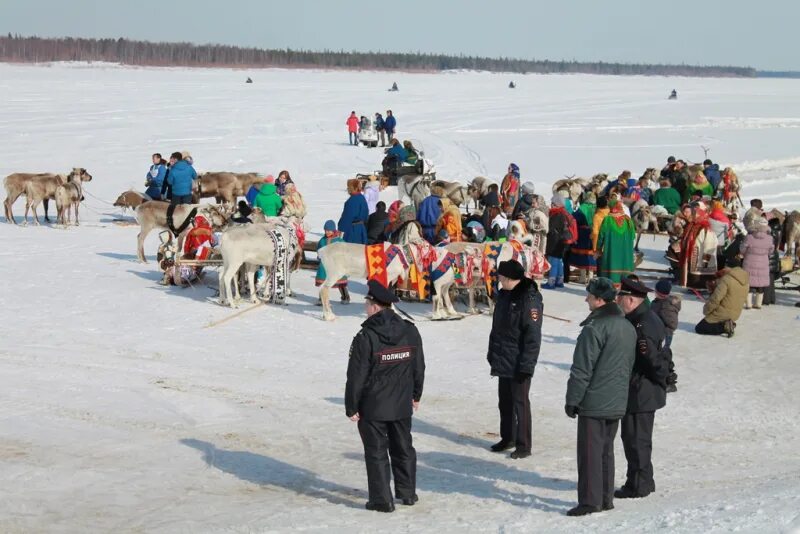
268 200
615 241
588 210
669 198
602 363
706 188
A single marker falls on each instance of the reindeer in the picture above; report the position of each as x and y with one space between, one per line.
479 188
413 189
15 185
573 186
68 197
455 191
791 235
43 187
643 220
131 199
598 184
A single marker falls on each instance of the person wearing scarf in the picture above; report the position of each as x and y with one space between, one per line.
698 256
615 244
556 242
394 218
509 189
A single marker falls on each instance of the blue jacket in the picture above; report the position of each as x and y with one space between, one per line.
713 176
251 195
428 215
155 179
389 123
181 177
353 222
399 151
379 122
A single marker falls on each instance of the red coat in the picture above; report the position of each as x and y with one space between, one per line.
199 240
352 124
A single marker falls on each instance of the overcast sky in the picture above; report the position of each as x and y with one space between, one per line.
761 34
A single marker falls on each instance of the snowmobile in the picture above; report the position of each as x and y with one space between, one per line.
367 133
511 85
394 87
249 80
673 95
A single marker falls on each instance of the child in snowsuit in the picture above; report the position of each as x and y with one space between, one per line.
667 307
331 236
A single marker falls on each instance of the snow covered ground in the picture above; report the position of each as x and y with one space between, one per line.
121 411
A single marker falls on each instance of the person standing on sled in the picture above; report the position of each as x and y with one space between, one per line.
331 236
514 344
597 393
385 375
647 392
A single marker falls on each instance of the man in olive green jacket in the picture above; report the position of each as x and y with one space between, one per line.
724 307
597 392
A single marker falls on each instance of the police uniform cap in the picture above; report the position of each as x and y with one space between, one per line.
511 269
379 293
602 288
633 287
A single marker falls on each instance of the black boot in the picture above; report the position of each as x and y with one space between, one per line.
502 445
519 454
412 501
626 492
345 295
583 509
385 507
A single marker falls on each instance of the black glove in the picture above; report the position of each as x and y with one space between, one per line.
571 411
520 377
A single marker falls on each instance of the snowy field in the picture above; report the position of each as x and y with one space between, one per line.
121 411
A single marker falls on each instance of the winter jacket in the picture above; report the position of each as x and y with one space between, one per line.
647 391
516 335
680 180
376 227
756 250
498 230
398 151
750 217
727 300
155 180
669 198
252 193
181 177
555 235
667 310
378 123
704 187
268 201
386 370
281 186
450 222
389 124
352 124
353 221
713 175
602 363
523 206
775 231
428 215
372 195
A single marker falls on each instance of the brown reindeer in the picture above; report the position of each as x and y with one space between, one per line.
225 187
68 197
15 185
455 191
130 199
44 187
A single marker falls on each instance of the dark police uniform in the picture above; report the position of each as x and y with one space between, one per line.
385 374
647 393
514 344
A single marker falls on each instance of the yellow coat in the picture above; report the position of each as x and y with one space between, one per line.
599 215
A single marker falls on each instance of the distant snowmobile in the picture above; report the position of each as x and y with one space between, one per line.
394 87
249 80
511 85
673 95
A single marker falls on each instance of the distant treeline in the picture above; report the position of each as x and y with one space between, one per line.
14 48
778 74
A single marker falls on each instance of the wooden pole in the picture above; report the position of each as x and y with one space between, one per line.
557 318
235 315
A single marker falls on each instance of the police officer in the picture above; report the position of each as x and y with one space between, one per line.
514 344
597 392
647 391
384 382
